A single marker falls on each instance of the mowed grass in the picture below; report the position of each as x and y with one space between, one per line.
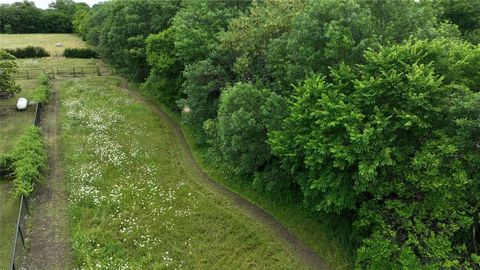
134 204
12 122
8 218
47 41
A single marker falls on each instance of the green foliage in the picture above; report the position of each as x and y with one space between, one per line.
250 34
119 29
24 17
8 68
41 93
5 164
384 144
28 52
465 14
5 55
79 53
29 160
203 82
330 32
242 127
164 80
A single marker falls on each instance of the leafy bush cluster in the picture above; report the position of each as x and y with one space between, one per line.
29 160
80 53
365 111
28 52
8 67
41 93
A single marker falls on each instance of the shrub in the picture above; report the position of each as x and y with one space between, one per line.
29 159
42 92
5 55
80 53
5 164
28 52
8 86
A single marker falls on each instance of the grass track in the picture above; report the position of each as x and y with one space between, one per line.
134 204
8 218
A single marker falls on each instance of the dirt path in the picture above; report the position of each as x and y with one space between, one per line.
49 229
303 251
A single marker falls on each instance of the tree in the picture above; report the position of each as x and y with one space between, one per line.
249 35
465 14
8 67
195 31
124 27
164 80
382 143
243 121
330 32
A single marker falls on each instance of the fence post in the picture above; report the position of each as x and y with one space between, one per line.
53 73
74 74
28 77
98 71
83 75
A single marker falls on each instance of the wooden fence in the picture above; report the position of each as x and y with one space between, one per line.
53 72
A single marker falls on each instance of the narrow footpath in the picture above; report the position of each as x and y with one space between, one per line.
48 233
304 252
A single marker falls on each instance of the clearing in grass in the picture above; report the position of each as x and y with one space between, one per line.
135 205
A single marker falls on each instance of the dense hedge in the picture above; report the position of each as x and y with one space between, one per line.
80 53
41 93
29 160
28 52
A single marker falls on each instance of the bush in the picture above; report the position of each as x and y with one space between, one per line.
5 164
5 55
8 68
42 92
28 52
29 159
80 53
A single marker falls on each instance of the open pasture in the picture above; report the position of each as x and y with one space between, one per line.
47 41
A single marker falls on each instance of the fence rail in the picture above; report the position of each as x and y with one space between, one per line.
19 247
53 72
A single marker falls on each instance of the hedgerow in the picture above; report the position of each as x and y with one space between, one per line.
80 53
29 159
28 52
41 93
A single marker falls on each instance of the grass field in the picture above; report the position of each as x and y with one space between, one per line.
8 218
12 122
47 41
135 205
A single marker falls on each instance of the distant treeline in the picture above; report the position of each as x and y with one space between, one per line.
364 111
25 17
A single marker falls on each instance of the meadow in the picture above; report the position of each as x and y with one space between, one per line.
133 202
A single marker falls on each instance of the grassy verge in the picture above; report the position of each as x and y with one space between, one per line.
134 204
8 218
311 230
